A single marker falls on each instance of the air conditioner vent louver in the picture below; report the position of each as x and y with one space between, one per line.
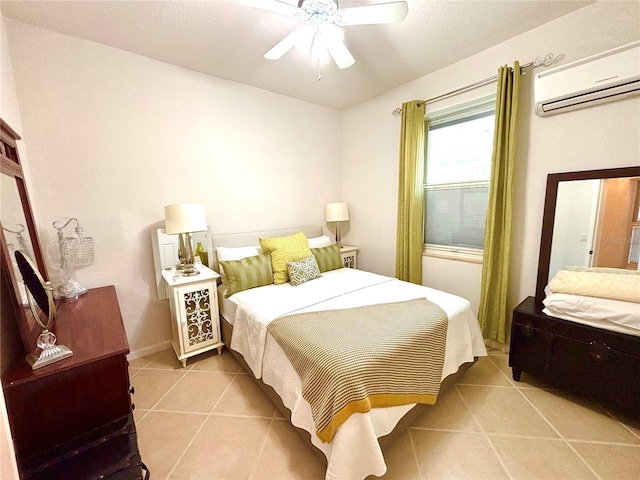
609 76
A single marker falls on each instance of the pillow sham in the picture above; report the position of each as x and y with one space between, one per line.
285 249
328 258
303 270
317 242
246 273
235 253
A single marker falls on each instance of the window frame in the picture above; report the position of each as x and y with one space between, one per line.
456 112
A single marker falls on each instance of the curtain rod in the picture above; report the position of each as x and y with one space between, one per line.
547 60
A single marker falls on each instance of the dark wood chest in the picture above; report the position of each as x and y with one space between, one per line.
66 404
591 361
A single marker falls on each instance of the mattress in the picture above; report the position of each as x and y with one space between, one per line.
354 452
608 314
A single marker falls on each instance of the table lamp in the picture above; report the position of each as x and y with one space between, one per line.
337 212
182 219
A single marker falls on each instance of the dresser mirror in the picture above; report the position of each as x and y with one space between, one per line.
18 233
591 219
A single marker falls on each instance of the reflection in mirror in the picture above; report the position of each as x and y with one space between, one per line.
14 225
40 296
596 224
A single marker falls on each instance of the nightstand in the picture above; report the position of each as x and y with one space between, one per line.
194 312
349 256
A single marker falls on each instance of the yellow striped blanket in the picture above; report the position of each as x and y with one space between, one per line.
356 359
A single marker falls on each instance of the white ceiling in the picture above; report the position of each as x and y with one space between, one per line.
227 39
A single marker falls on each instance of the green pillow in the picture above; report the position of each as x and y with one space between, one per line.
247 273
303 271
328 258
285 249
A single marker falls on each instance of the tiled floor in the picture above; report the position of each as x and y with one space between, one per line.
210 421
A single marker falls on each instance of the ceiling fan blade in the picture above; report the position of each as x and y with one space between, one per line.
393 12
274 6
282 47
340 53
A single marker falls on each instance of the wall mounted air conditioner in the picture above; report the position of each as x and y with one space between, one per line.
608 76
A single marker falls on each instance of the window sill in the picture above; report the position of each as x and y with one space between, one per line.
457 255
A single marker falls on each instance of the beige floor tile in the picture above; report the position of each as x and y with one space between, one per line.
165 359
244 397
400 458
484 372
539 459
611 462
138 362
504 410
456 455
526 380
133 372
163 437
225 448
212 362
196 392
578 418
285 456
449 413
151 385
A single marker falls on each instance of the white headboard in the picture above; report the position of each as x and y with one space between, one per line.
252 238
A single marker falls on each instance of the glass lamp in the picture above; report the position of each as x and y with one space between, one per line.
182 219
337 212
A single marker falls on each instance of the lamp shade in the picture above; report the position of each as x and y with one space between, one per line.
184 217
336 212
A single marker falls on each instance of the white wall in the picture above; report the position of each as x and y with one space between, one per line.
599 137
113 137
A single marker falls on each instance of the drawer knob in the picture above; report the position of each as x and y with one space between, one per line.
132 390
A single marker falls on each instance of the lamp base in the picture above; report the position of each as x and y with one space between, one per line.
189 271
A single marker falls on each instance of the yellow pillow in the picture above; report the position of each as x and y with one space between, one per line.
285 249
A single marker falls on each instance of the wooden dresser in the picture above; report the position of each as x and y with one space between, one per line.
55 406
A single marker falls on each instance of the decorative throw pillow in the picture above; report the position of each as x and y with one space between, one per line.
303 271
283 250
249 272
328 258
235 253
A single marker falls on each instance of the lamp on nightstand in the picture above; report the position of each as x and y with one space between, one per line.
337 212
182 219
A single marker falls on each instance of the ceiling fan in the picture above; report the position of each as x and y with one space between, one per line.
322 20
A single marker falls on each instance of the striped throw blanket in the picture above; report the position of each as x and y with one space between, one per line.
356 359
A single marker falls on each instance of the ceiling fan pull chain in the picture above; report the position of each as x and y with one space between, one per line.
319 73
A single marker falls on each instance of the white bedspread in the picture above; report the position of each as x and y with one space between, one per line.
354 452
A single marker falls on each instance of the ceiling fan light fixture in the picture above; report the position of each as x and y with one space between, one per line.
322 19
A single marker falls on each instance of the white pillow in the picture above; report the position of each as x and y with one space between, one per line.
319 242
236 253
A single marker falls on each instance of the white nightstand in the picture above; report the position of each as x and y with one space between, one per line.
194 312
349 256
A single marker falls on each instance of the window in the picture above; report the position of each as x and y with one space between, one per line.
456 187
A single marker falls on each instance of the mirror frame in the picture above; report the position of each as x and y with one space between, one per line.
548 218
10 165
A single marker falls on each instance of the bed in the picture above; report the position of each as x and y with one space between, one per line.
354 449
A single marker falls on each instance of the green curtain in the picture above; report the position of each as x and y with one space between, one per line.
410 193
492 314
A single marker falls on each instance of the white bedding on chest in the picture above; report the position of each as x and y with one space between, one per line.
354 452
615 315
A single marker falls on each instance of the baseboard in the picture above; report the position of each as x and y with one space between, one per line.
503 347
143 352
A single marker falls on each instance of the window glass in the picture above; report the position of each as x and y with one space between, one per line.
457 171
